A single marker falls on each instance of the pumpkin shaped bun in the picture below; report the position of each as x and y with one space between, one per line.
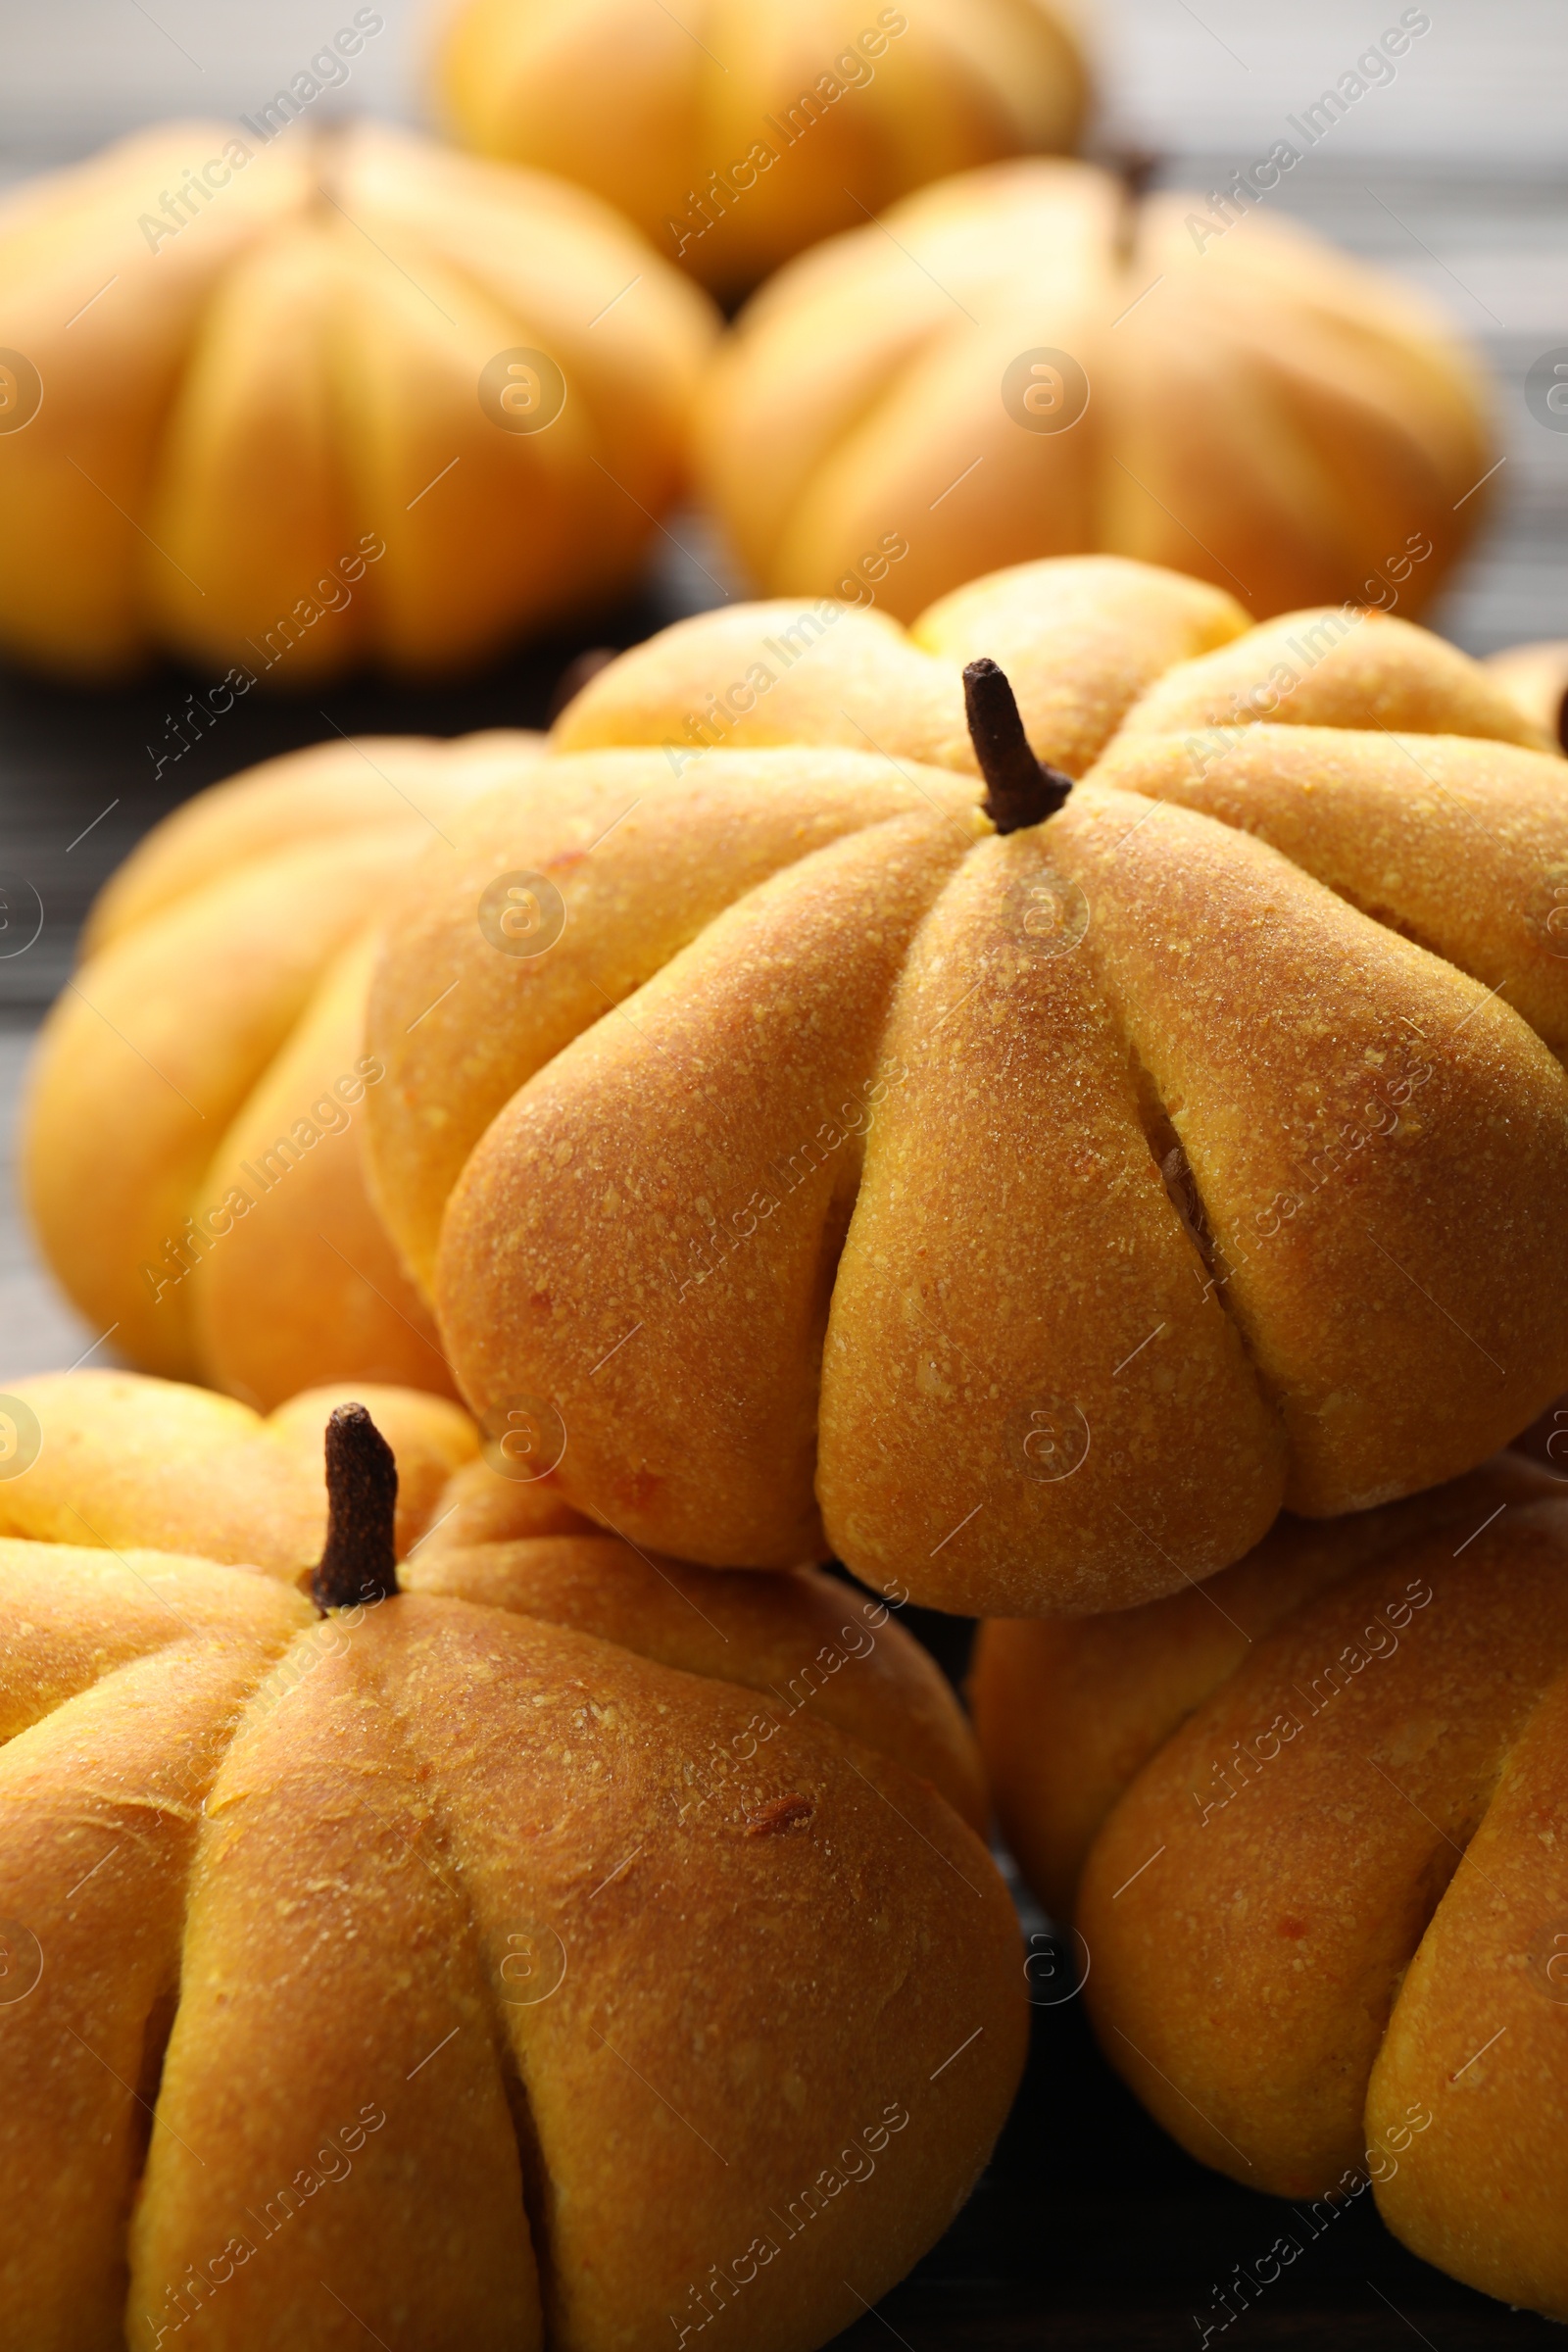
1022 1204
401 1954
737 132
1313 1825
283 410
116 1460
213 1031
1024 362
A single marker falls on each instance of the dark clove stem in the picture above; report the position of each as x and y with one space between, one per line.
1020 790
1137 168
360 1563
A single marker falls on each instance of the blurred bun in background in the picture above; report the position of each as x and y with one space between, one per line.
1023 362
736 133
347 399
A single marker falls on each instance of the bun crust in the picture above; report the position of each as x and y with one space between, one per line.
1023 1220
1028 363
216 1027
128 1464
1314 1858
221 470
567 1942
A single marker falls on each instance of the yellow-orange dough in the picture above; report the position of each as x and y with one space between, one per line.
118 1461
1023 1219
1025 361
302 402
443 1971
1311 1822
739 131
213 1031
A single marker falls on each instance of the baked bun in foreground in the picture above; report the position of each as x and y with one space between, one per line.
1020 1197
126 1463
1311 1823
405 1961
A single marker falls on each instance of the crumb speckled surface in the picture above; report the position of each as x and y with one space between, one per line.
1044 1223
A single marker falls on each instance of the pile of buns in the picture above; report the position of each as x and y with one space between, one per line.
1008 1121
1022 1074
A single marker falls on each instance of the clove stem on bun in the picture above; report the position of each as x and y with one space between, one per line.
360 1563
1020 790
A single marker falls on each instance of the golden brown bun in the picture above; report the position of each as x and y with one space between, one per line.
336 788
480 1507
620 831
298 353
124 1460
124 1463
1449 839
1320 1808
1537 677
511 1981
1081 643
802 1640
215 1033
818 114
307 1279
1112 1690
1022 362
1024 1220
